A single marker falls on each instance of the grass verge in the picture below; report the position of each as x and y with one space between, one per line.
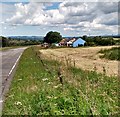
36 89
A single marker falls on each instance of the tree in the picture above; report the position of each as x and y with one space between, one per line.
84 37
3 41
52 37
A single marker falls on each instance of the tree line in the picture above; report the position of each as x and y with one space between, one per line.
8 42
55 37
98 40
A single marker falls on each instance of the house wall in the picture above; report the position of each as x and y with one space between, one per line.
78 42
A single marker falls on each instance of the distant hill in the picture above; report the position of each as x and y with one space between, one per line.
104 36
19 41
41 37
27 37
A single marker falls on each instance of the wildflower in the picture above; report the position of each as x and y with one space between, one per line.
19 79
55 104
44 79
18 103
49 83
70 81
60 85
55 97
56 86
48 97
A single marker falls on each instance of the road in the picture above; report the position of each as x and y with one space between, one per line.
8 62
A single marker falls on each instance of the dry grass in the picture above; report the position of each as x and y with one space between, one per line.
116 38
85 58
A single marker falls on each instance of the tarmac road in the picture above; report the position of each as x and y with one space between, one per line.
8 63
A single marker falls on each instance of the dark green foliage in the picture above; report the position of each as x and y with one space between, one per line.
52 37
98 40
112 54
8 42
117 41
3 41
84 37
103 41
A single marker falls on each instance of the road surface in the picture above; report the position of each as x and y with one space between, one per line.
8 62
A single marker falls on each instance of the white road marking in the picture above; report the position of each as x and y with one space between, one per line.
1 101
14 64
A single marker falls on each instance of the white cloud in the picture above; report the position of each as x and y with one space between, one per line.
5 28
108 7
68 29
70 16
108 19
77 8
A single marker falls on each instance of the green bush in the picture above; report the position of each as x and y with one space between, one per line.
98 40
112 54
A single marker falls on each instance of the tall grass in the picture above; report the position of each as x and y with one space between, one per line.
112 54
36 89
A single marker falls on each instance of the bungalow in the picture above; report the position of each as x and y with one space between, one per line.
76 42
63 42
70 42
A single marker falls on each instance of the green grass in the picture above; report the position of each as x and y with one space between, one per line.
112 54
36 90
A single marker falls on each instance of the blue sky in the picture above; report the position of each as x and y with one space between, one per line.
53 6
68 18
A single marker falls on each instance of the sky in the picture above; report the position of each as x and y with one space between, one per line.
69 18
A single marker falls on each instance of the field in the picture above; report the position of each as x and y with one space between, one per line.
44 86
86 58
116 38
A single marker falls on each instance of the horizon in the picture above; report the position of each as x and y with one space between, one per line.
118 35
